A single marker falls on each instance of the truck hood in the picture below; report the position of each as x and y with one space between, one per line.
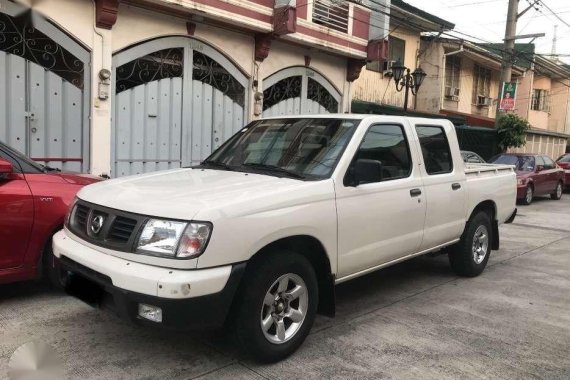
182 193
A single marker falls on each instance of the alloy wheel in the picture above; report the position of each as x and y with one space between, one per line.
284 308
480 244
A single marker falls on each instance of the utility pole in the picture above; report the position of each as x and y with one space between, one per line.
509 43
510 32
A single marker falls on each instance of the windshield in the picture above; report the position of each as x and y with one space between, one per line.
19 156
564 158
302 148
521 163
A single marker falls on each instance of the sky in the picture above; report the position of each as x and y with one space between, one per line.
486 19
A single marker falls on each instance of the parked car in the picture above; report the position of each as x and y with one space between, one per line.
266 226
564 162
472 157
536 175
33 202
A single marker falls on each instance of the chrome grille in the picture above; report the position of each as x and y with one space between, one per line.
81 214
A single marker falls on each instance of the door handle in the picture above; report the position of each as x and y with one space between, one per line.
455 186
415 192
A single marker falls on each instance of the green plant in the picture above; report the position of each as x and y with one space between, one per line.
511 130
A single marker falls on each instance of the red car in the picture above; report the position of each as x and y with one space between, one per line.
33 202
564 162
537 174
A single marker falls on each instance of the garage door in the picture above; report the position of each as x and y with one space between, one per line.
43 80
177 99
299 90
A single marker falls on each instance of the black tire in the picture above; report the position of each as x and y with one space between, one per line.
557 194
462 255
528 200
249 306
51 272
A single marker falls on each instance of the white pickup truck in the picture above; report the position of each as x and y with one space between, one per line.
261 231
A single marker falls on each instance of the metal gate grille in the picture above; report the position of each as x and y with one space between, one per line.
41 92
177 100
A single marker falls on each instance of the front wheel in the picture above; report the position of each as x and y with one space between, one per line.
276 306
529 194
557 194
469 257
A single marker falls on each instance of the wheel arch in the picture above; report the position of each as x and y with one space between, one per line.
311 248
490 207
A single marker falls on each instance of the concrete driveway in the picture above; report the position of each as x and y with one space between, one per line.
413 320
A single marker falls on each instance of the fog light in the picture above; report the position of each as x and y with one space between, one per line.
152 313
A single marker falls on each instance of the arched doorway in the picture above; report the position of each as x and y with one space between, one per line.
177 99
44 90
299 90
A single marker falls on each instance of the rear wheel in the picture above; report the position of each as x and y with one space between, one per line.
529 194
557 194
470 256
276 306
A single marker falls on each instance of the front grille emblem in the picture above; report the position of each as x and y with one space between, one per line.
97 223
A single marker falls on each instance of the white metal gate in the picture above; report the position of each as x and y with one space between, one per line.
43 81
299 90
177 99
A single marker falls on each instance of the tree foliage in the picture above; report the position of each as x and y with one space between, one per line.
512 131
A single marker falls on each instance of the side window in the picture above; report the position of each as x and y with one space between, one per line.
540 161
387 144
548 163
7 157
435 149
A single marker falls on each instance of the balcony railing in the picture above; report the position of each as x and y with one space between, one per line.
332 14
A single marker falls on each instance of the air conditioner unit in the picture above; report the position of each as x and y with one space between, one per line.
484 101
452 93
387 68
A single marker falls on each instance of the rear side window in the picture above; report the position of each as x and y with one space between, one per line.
548 163
565 158
388 145
435 149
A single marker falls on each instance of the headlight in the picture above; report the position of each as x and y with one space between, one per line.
521 181
174 239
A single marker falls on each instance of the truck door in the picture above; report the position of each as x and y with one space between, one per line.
444 184
383 220
16 216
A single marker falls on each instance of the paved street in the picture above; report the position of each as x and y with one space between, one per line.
414 320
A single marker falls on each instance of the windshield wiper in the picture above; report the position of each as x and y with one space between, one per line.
217 164
274 168
50 169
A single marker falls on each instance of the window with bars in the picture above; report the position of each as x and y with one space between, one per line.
540 100
332 14
481 83
452 69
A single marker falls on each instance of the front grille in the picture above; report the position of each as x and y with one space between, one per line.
122 229
81 213
106 227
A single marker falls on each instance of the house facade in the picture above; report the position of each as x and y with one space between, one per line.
124 87
375 84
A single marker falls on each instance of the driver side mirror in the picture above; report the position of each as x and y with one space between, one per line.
6 168
366 171
539 168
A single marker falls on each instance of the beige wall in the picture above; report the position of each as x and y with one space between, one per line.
552 146
377 88
134 25
559 120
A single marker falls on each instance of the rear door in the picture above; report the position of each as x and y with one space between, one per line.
381 221
16 215
444 184
540 176
553 174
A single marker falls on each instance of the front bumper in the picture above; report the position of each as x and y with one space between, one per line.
189 299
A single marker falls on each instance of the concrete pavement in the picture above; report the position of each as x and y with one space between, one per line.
413 320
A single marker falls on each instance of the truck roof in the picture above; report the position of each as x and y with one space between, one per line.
356 116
